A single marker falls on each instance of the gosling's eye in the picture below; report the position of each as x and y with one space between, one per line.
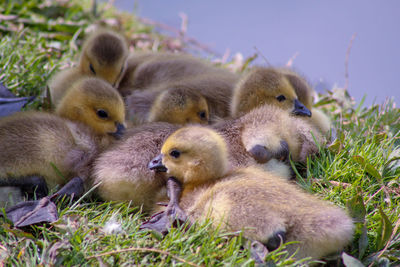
175 153
202 115
102 113
281 98
92 69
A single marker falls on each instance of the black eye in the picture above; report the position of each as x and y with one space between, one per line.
281 98
202 115
175 153
92 69
102 114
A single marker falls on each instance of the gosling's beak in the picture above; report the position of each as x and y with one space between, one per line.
300 109
156 164
120 131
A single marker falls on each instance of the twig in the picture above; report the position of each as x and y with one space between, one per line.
342 184
371 197
346 63
144 250
178 33
226 55
259 52
184 23
108 5
334 183
291 60
8 17
386 190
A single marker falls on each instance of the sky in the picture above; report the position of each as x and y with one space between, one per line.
319 32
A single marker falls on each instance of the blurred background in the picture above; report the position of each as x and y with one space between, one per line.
314 34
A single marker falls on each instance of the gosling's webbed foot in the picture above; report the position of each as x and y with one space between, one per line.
163 221
9 103
39 189
176 215
9 106
73 189
33 212
158 222
43 210
258 252
276 240
32 185
4 92
173 215
260 154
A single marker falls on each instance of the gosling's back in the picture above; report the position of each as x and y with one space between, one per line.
260 204
41 143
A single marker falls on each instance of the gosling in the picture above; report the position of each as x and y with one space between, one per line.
267 209
40 150
256 138
280 87
103 55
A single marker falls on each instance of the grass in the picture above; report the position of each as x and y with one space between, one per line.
359 170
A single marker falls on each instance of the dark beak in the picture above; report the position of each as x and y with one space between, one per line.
300 109
156 164
120 131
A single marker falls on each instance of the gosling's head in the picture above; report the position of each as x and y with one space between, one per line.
266 86
180 105
95 103
104 55
302 88
193 155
